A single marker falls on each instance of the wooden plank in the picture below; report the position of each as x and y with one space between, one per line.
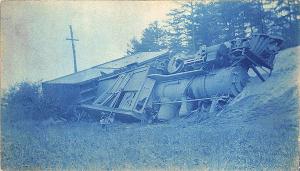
88 90
181 75
108 109
87 99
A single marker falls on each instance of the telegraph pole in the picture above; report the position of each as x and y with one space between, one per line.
72 39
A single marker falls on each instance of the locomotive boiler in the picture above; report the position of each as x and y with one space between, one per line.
176 85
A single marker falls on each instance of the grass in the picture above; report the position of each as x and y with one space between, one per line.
217 143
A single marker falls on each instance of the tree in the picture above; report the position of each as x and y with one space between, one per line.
177 31
195 23
153 39
134 46
283 19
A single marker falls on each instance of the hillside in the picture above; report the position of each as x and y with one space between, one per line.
258 130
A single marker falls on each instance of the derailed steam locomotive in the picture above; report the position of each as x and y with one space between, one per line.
182 83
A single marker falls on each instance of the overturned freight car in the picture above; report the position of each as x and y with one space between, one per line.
161 85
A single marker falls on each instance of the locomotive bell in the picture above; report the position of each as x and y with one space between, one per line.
176 63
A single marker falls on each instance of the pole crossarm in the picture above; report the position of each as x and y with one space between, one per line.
72 39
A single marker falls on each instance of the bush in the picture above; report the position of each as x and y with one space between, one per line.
25 101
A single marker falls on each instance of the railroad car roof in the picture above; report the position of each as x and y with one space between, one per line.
107 67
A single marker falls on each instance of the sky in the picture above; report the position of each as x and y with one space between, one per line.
33 35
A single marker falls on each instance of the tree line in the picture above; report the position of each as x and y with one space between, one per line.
195 23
